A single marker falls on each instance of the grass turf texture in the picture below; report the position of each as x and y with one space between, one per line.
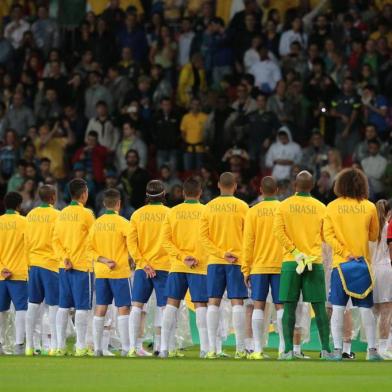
187 374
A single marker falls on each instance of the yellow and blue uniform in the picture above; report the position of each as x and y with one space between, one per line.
13 258
70 242
262 254
181 238
145 247
108 238
348 227
221 231
42 259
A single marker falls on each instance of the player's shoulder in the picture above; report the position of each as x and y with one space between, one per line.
241 203
88 212
318 203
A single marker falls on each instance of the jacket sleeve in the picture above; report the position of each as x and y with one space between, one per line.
133 246
280 232
167 241
208 245
58 247
91 245
248 245
331 239
374 226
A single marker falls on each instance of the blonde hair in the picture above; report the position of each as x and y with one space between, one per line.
383 212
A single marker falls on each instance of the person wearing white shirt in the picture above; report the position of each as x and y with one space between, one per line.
283 154
266 73
185 42
289 36
16 28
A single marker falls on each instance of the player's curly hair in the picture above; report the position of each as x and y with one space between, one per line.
352 183
155 192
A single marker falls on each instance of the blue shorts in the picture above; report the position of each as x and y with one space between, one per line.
260 284
143 287
43 285
179 282
76 289
337 295
15 291
221 277
118 289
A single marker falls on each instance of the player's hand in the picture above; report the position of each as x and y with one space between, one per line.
6 273
67 264
230 257
190 261
247 281
111 264
150 272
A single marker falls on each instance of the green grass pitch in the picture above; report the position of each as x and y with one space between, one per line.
189 374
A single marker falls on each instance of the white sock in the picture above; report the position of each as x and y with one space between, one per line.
134 326
81 322
20 326
31 320
347 347
173 338
201 323
297 348
105 340
389 344
212 326
2 318
337 320
52 326
123 329
279 317
369 323
139 343
249 345
168 322
382 345
257 329
239 327
157 343
61 327
98 325
218 344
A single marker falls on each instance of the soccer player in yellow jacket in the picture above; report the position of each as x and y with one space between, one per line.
351 222
75 276
262 262
152 260
13 269
107 243
181 239
298 228
44 266
221 233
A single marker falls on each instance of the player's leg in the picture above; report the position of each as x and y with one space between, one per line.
237 292
249 345
385 318
216 285
104 297
177 286
81 285
5 303
197 284
36 297
142 290
274 282
139 343
347 332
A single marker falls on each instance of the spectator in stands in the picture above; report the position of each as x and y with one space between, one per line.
334 163
15 29
168 178
47 106
118 86
9 154
362 148
184 42
95 93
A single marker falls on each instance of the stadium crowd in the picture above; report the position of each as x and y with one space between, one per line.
165 88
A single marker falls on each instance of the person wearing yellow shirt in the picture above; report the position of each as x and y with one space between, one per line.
351 221
75 276
44 266
152 260
192 130
188 265
298 228
107 244
13 269
221 232
262 261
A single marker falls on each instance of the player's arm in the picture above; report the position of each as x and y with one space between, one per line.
280 232
332 240
167 241
208 245
58 247
94 253
133 244
374 226
248 245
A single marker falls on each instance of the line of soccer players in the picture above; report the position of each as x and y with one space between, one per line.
61 257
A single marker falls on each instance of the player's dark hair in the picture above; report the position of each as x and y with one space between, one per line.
110 197
269 186
77 187
155 192
227 180
12 200
352 183
383 211
47 193
191 187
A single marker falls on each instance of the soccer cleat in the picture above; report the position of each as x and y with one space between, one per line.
132 353
286 356
348 355
373 355
203 354
82 352
141 352
53 353
107 353
326 355
222 354
301 355
211 355
240 355
29 352
155 353
98 353
164 354
19 349
176 354
59 353
337 354
386 355
256 356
